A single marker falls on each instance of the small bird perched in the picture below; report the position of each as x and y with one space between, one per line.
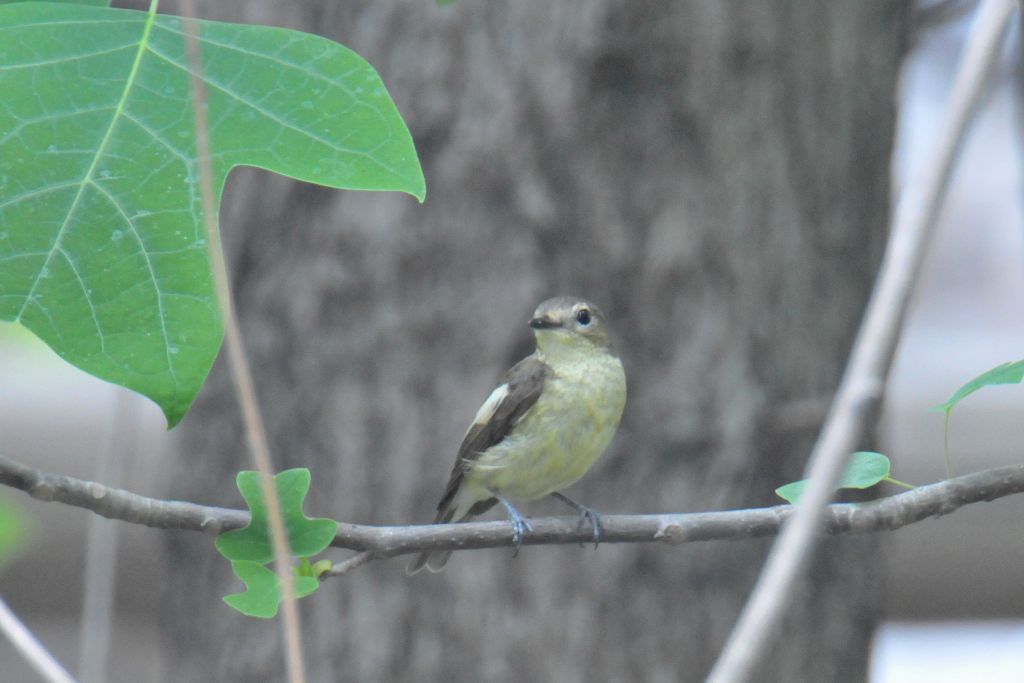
540 431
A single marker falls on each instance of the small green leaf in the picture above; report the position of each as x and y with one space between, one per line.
316 570
1007 373
866 469
262 590
306 536
304 568
12 529
792 491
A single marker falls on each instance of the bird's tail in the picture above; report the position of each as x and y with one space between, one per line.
435 560
453 509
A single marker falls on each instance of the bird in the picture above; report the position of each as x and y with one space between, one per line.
550 418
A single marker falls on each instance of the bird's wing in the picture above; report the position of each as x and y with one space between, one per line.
504 408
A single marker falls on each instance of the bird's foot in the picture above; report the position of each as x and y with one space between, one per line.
591 515
519 525
586 515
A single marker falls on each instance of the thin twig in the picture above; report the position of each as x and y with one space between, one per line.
893 512
240 372
863 382
354 562
30 648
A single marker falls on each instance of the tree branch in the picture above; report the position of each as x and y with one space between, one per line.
889 513
860 392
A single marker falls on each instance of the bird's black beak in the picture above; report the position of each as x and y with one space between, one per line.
544 323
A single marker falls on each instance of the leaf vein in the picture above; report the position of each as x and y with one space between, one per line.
152 274
278 120
88 299
62 60
86 179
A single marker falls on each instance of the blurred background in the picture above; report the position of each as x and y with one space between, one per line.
673 167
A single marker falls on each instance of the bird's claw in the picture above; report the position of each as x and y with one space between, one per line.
591 515
519 525
585 515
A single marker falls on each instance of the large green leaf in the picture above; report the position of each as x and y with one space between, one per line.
102 249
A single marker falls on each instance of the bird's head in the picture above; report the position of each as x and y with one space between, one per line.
568 325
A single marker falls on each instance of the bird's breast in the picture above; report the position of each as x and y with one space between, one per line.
562 435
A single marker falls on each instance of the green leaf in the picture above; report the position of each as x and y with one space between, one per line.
12 529
1007 373
304 568
102 250
263 590
866 469
306 536
316 570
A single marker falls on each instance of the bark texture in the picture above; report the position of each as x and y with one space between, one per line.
713 175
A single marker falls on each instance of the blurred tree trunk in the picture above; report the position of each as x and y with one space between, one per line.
714 175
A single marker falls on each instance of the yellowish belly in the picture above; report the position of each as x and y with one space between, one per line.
558 439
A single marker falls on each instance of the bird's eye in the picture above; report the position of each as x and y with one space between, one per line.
583 317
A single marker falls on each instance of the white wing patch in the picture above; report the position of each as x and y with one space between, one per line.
486 412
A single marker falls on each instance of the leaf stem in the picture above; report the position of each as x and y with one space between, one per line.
897 482
945 446
342 568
